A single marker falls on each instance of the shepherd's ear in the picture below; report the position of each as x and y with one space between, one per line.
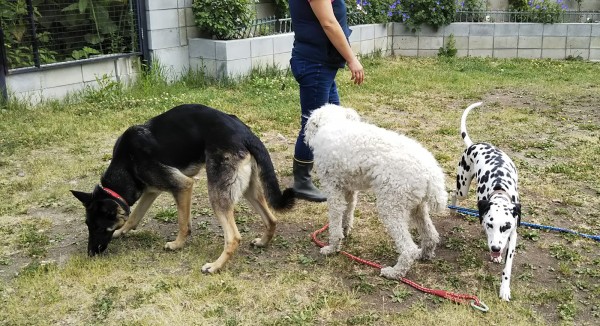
484 207
84 197
517 213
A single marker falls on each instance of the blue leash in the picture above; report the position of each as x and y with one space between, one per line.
474 212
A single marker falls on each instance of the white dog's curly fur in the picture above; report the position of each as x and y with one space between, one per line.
351 155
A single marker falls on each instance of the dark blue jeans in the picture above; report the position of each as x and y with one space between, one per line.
317 88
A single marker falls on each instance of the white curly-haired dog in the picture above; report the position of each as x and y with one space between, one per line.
351 155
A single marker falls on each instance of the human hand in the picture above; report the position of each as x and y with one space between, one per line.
357 71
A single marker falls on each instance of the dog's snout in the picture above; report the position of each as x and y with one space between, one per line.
96 250
496 249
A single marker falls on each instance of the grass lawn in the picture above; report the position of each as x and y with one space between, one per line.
544 114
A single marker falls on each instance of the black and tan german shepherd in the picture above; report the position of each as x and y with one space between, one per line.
164 154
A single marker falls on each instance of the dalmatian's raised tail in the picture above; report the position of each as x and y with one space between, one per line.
463 124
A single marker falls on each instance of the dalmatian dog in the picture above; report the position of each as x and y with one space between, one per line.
497 197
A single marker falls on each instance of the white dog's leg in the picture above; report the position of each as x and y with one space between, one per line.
429 235
453 200
348 218
336 205
506 272
398 228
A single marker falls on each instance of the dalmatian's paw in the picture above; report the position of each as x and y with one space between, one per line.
505 292
496 258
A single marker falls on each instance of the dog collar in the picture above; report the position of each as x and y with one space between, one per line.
120 200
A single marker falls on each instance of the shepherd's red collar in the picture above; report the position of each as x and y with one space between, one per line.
118 197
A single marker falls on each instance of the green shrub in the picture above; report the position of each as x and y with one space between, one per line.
18 40
415 13
546 11
369 11
540 11
472 10
282 8
518 5
449 50
223 19
469 5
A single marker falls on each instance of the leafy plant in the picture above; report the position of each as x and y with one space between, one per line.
369 12
17 38
168 215
435 13
471 10
562 252
471 5
539 11
282 8
518 5
546 11
223 19
65 28
98 12
84 53
399 295
449 50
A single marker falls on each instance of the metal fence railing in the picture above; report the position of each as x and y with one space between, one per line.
506 16
266 26
272 25
38 33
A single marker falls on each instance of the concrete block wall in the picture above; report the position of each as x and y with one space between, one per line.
236 58
48 84
170 26
502 40
498 40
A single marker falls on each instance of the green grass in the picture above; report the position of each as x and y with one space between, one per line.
542 112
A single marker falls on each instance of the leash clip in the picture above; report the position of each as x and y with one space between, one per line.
481 306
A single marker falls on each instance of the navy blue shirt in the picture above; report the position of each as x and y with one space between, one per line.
310 41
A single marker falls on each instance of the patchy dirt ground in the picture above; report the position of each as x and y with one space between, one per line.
545 271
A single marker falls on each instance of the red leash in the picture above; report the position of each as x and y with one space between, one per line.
455 297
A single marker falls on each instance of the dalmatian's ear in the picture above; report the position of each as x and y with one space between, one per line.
517 213
484 207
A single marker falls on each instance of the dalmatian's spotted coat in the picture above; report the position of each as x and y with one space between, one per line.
497 196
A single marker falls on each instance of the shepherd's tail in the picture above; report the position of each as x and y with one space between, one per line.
277 199
463 124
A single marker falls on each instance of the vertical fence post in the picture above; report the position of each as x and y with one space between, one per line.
34 39
143 32
3 68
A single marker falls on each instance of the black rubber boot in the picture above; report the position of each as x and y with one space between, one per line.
303 185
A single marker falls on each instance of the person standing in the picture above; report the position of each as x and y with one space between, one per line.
321 48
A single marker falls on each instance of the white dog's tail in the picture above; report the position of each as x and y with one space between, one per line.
463 124
437 196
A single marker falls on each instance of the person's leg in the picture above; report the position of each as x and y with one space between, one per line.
334 97
316 82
